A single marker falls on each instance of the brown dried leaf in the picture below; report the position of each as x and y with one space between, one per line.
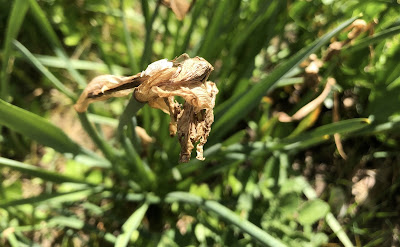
305 110
106 86
179 7
194 125
144 137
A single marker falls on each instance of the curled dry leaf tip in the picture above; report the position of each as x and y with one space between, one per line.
158 85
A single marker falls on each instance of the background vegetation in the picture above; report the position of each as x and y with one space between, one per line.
329 177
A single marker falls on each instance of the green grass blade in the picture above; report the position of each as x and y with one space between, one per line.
56 62
330 219
227 215
107 150
385 34
321 134
37 128
15 20
53 199
131 225
344 126
36 63
51 36
128 41
244 103
97 119
38 172
213 28
197 10
148 45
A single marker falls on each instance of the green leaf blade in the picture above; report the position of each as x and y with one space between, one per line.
17 16
38 172
37 128
228 215
131 225
244 103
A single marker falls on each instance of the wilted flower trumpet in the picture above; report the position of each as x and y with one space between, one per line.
158 85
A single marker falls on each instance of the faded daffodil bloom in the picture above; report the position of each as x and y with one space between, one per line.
158 85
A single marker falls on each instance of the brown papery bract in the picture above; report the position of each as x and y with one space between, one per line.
158 85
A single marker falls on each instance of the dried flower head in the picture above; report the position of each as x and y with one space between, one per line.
158 85
187 78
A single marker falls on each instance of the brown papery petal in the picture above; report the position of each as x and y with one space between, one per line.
106 86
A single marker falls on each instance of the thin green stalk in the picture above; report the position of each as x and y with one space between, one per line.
103 53
51 36
226 214
38 65
16 17
104 146
38 172
130 111
131 225
144 173
177 38
330 219
195 16
128 41
377 37
149 37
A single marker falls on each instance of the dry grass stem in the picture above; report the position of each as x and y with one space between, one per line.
305 110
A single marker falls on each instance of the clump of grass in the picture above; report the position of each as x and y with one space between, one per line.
265 181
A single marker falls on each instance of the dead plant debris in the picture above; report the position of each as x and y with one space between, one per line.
158 85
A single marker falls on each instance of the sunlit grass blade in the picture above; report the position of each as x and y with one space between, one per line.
213 29
148 45
37 128
97 119
53 199
16 17
197 10
330 219
227 215
143 172
56 62
128 41
244 103
38 172
321 134
131 225
385 34
106 148
51 36
35 62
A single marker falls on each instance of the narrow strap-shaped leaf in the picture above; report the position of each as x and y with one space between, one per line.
128 41
51 36
17 15
227 215
35 62
106 148
38 172
313 137
374 39
131 225
53 198
330 219
56 62
242 104
37 128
